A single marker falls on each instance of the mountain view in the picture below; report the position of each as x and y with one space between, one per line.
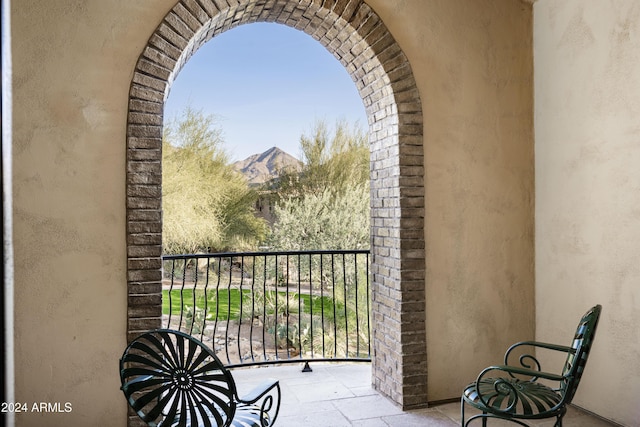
260 168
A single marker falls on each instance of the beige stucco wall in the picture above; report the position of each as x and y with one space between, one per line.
587 126
72 67
473 65
73 63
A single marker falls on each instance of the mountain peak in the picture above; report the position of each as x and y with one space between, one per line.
273 152
260 168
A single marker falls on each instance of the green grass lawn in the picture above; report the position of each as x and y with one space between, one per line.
228 303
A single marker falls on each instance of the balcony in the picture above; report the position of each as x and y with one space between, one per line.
340 395
288 309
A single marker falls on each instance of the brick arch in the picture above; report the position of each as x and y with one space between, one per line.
357 37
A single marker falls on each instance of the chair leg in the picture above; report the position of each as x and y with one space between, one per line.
560 417
462 423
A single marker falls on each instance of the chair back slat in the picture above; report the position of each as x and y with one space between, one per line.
581 345
170 378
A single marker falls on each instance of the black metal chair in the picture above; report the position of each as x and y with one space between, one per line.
515 393
172 379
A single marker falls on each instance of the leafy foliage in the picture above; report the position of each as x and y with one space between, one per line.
331 162
326 206
326 220
205 202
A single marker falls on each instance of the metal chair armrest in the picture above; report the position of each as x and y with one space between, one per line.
259 391
511 370
529 361
269 392
549 346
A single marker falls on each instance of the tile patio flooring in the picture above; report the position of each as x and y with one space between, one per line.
340 395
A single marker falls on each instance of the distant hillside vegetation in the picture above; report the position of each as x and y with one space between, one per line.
260 168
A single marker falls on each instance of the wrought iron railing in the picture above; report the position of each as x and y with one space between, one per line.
272 307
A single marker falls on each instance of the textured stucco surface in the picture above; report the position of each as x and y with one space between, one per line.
73 63
72 67
587 110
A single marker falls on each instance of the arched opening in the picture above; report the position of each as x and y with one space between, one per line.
266 85
356 36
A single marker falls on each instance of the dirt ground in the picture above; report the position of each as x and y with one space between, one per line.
244 342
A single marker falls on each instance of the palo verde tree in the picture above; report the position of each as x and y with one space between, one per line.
326 205
205 202
331 161
325 220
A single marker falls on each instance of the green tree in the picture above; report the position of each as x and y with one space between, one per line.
326 220
326 205
330 161
205 202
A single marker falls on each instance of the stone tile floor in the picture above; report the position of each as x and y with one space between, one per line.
340 395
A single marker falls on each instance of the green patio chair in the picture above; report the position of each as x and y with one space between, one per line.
517 393
172 379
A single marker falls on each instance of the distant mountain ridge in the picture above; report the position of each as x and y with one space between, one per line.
260 168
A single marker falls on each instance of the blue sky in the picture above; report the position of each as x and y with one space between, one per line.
267 84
